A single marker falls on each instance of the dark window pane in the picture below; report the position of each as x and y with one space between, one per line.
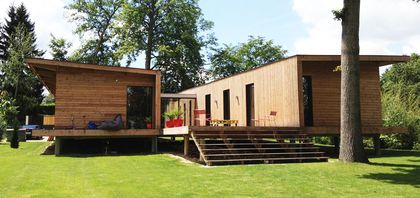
139 106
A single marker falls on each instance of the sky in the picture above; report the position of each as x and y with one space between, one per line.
299 26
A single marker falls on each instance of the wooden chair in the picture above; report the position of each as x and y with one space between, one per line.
271 119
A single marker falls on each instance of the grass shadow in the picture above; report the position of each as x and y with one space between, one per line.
331 152
406 174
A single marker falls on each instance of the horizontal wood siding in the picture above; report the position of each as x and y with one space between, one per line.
93 94
275 89
326 93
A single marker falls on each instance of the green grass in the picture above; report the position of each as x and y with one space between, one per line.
26 173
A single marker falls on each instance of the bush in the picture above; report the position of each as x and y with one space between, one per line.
368 142
400 87
323 140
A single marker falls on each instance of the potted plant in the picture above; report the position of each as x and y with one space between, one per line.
170 119
148 121
178 121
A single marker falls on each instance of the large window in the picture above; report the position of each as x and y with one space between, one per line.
139 107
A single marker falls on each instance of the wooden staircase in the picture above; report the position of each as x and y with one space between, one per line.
255 147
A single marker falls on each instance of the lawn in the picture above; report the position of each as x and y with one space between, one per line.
26 173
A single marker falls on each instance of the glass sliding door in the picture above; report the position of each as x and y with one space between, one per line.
139 107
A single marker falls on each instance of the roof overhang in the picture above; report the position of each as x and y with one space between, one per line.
381 60
46 70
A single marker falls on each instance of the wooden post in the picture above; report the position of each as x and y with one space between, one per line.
336 140
377 144
186 144
57 144
154 145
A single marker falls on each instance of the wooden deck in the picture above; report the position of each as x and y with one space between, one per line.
324 130
97 133
211 129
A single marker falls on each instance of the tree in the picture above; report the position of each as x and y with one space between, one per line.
229 60
351 142
17 15
172 34
16 76
400 88
143 27
29 96
59 48
97 21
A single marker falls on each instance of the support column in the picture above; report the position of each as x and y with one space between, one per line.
336 140
377 144
186 144
57 144
154 144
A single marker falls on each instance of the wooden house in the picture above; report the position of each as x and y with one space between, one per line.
287 101
87 92
302 91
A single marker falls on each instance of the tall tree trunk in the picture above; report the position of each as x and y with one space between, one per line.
150 34
14 142
351 144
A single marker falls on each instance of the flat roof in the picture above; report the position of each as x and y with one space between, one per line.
46 69
381 59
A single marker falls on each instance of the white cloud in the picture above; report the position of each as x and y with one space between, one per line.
49 18
386 27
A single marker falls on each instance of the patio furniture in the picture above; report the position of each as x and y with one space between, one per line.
223 122
271 119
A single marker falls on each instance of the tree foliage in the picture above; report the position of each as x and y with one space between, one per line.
17 16
257 51
59 48
171 34
18 76
8 113
400 86
97 23
179 53
18 41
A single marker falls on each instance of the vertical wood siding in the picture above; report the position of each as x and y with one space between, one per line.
275 89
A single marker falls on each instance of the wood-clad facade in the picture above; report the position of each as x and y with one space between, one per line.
85 92
278 93
279 87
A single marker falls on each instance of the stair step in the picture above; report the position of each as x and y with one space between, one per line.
263 143
288 153
268 159
245 149
232 147
247 135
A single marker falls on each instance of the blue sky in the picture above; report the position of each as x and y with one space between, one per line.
235 20
300 26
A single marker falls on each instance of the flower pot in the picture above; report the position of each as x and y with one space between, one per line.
149 125
169 124
178 122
